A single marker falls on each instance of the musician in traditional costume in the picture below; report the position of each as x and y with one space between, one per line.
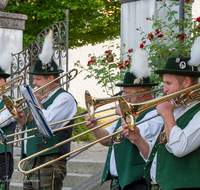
172 160
8 127
124 166
56 105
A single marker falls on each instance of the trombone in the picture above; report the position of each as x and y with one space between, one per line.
11 105
129 111
10 85
91 103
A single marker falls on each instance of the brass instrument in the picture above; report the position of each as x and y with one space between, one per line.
129 111
10 85
55 130
93 103
11 105
184 96
61 143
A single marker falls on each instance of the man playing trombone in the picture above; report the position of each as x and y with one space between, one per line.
124 165
8 126
56 105
173 158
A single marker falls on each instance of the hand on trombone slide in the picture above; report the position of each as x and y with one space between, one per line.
90 124
21 116
132 135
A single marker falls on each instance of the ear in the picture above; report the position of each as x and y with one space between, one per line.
187 82
50 78
2 80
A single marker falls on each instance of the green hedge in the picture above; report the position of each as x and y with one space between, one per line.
81 128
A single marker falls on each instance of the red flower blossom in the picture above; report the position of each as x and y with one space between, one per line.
127 63
129 57
173 49
198 19
144 42
160 35
137 28
147 18
182 37
121 67
157 31
160 75
120 63
141 46
130 50
150 36
89 63
158 0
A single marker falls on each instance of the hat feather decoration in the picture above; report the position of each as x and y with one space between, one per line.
139 66
5 61
47 49
195 55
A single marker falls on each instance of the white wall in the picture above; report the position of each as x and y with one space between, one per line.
78 86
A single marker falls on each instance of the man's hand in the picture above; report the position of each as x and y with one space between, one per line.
134 135
118 110
90 124
21 117
165 108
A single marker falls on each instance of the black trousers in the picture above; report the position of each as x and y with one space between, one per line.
3 177
138 185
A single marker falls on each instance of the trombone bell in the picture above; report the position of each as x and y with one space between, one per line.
10 106
126 113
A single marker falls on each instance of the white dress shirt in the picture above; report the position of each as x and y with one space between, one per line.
149 130
181 141
63 107
5 114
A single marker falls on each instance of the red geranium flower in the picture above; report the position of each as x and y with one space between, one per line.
160 35
137 28
147 18
141 46
121 67
198 19
150 36
130 50
144 42
173 49
157 31
127 63
182 37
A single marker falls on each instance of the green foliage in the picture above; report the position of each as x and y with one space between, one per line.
108 69
91 21
81 128
164 41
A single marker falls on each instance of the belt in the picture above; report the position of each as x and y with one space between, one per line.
155 186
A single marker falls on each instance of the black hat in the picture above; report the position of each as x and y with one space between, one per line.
50 68
131 80
178 66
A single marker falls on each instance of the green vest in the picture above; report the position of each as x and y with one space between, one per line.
173 172
58 136
130 165
8 129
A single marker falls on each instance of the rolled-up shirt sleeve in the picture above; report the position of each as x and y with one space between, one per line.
183 141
